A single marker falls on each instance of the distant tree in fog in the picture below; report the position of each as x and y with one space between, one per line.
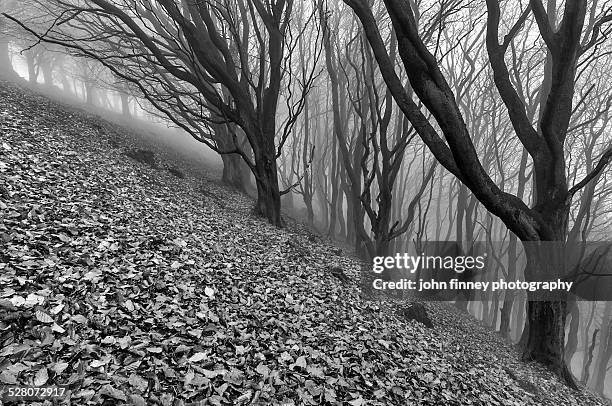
202 63
6 66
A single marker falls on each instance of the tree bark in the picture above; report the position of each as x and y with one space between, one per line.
266 178
545 334
604 351
585 339
509 296
506 310
335 186
322 199
572 336
235 170
543 338
308 192
461 303
586 368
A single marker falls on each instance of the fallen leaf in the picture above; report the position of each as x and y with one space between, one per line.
8 378
43 317
197 357
138 382
300 362
41 377
108 390
59 367
137 400
57 328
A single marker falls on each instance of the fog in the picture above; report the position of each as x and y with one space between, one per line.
382 126
151 128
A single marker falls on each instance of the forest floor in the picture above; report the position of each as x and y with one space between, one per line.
132 285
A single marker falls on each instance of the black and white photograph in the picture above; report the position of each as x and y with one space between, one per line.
306 202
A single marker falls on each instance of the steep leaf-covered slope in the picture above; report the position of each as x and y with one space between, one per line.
129 284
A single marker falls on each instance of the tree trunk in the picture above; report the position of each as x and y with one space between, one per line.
89 94
308 203
6 67
588 358
335 186
520 317
543 337
494 315
235 170
266 177
485 308
308 173
341 219
351 235
287 201
125 104
585 339
509 295
545 333
47 71
65 82
604 352
231 171
461 303
322 200
30 60
572 335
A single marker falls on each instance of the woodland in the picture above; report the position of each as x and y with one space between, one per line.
340 131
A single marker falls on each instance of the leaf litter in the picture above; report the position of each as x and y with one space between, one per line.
130 285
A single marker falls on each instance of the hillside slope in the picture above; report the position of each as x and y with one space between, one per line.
129 284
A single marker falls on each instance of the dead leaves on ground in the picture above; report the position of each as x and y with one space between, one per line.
129 285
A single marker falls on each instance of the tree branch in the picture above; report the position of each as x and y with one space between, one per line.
605 159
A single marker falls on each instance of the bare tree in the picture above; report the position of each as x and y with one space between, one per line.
6 66
547 218
198 61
